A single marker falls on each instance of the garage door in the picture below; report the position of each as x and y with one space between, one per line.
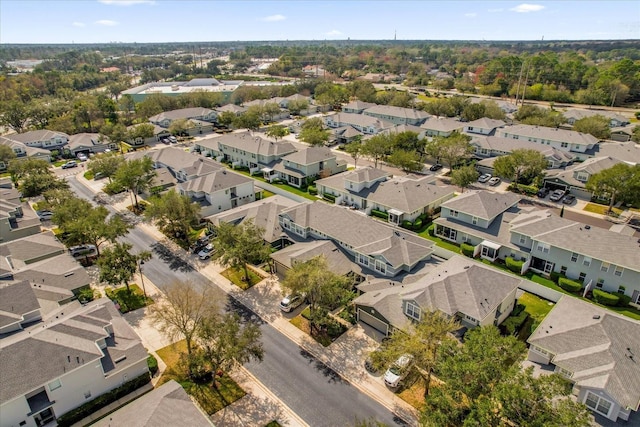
373 322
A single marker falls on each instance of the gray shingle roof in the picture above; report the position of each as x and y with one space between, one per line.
183 113
359 120
590 166
594 344
310 155
337 261
80 140
507 145
404 113
482 204
358 105
552 134
408 195
486 123
51 349
167 405
179 160
627 151
578 114
256 144
236 109
363 234
573 236
458 285
214 182
443 124
28 250
35 135
16 300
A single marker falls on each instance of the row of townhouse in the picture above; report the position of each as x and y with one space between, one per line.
497 227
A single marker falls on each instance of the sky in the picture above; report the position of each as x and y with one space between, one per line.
148 21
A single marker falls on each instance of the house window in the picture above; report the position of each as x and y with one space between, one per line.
381 267
574 257
543 247
618 271
454 213
364 260
582 176
474 220
582 276
413 311
464 238
539 350
586 261
605 266
87 394
621 289
523 239
53 385
565 373
564 145
563 270
600 283
597 403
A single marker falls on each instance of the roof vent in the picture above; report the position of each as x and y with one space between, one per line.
466 267
587 227
596 316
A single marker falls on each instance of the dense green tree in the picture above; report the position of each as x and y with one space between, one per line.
297 105
174 214
313 133
635 136
622 181
226 118
106 164
180 127
377 147
451 149
354 149
328 93
15 115
362 90
277 131
597 126
322 288
440 107
238 245
250 120
534 115
34 177
408 141
118 265
521 164
136 176
142 131
408 161
464 176
6 155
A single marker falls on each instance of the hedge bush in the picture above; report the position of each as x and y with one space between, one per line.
380 214
555 276
329 197
514 322
152 363
101 401
432 230
407 224
624 300
514 265
467 249
569 285
313 190
605 298
417 224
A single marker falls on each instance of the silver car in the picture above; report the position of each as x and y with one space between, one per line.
206 252
398 371
291 302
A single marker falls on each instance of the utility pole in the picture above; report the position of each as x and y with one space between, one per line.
524 89
519 80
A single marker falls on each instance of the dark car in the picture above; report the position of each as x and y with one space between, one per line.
557 195
569 199
70 164
543 192
435 167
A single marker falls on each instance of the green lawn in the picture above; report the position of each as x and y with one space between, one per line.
88 175
129 301
324 338
210 399
285 187
59 163
236 276
537 307
273 423
601 209
265 194
440 242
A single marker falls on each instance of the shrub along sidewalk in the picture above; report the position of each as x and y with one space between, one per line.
128 300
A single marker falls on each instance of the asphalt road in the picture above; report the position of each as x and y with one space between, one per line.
312 390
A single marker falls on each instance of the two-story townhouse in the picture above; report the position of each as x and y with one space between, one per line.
159 132
196 113
476 218
597 257
337 260
90 143
17 219
47 139
22 151
405 128
311 108
574 178
615 120
219 191
19 306
357 107
351 188
629 152
344 135
376 246
495 146
232 108
463 289
263 213
562 139
297 168
253 152
596 350
483 126
71 358
441 126
397 115
183 166
209 147
368 125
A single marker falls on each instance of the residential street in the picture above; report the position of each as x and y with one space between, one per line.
312 390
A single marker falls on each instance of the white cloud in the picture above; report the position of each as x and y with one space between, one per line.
526 8
273 18
79 24
126 2
106 22
496 10
471 15
333 33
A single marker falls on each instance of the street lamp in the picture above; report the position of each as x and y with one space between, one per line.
140 264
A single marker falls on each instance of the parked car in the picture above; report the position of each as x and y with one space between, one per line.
484 177
82 250
206 252
435 167
173 139
291 302
70 164
494 181
44 215
82 157
165 140
569 199
398 371
557 195
543 192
